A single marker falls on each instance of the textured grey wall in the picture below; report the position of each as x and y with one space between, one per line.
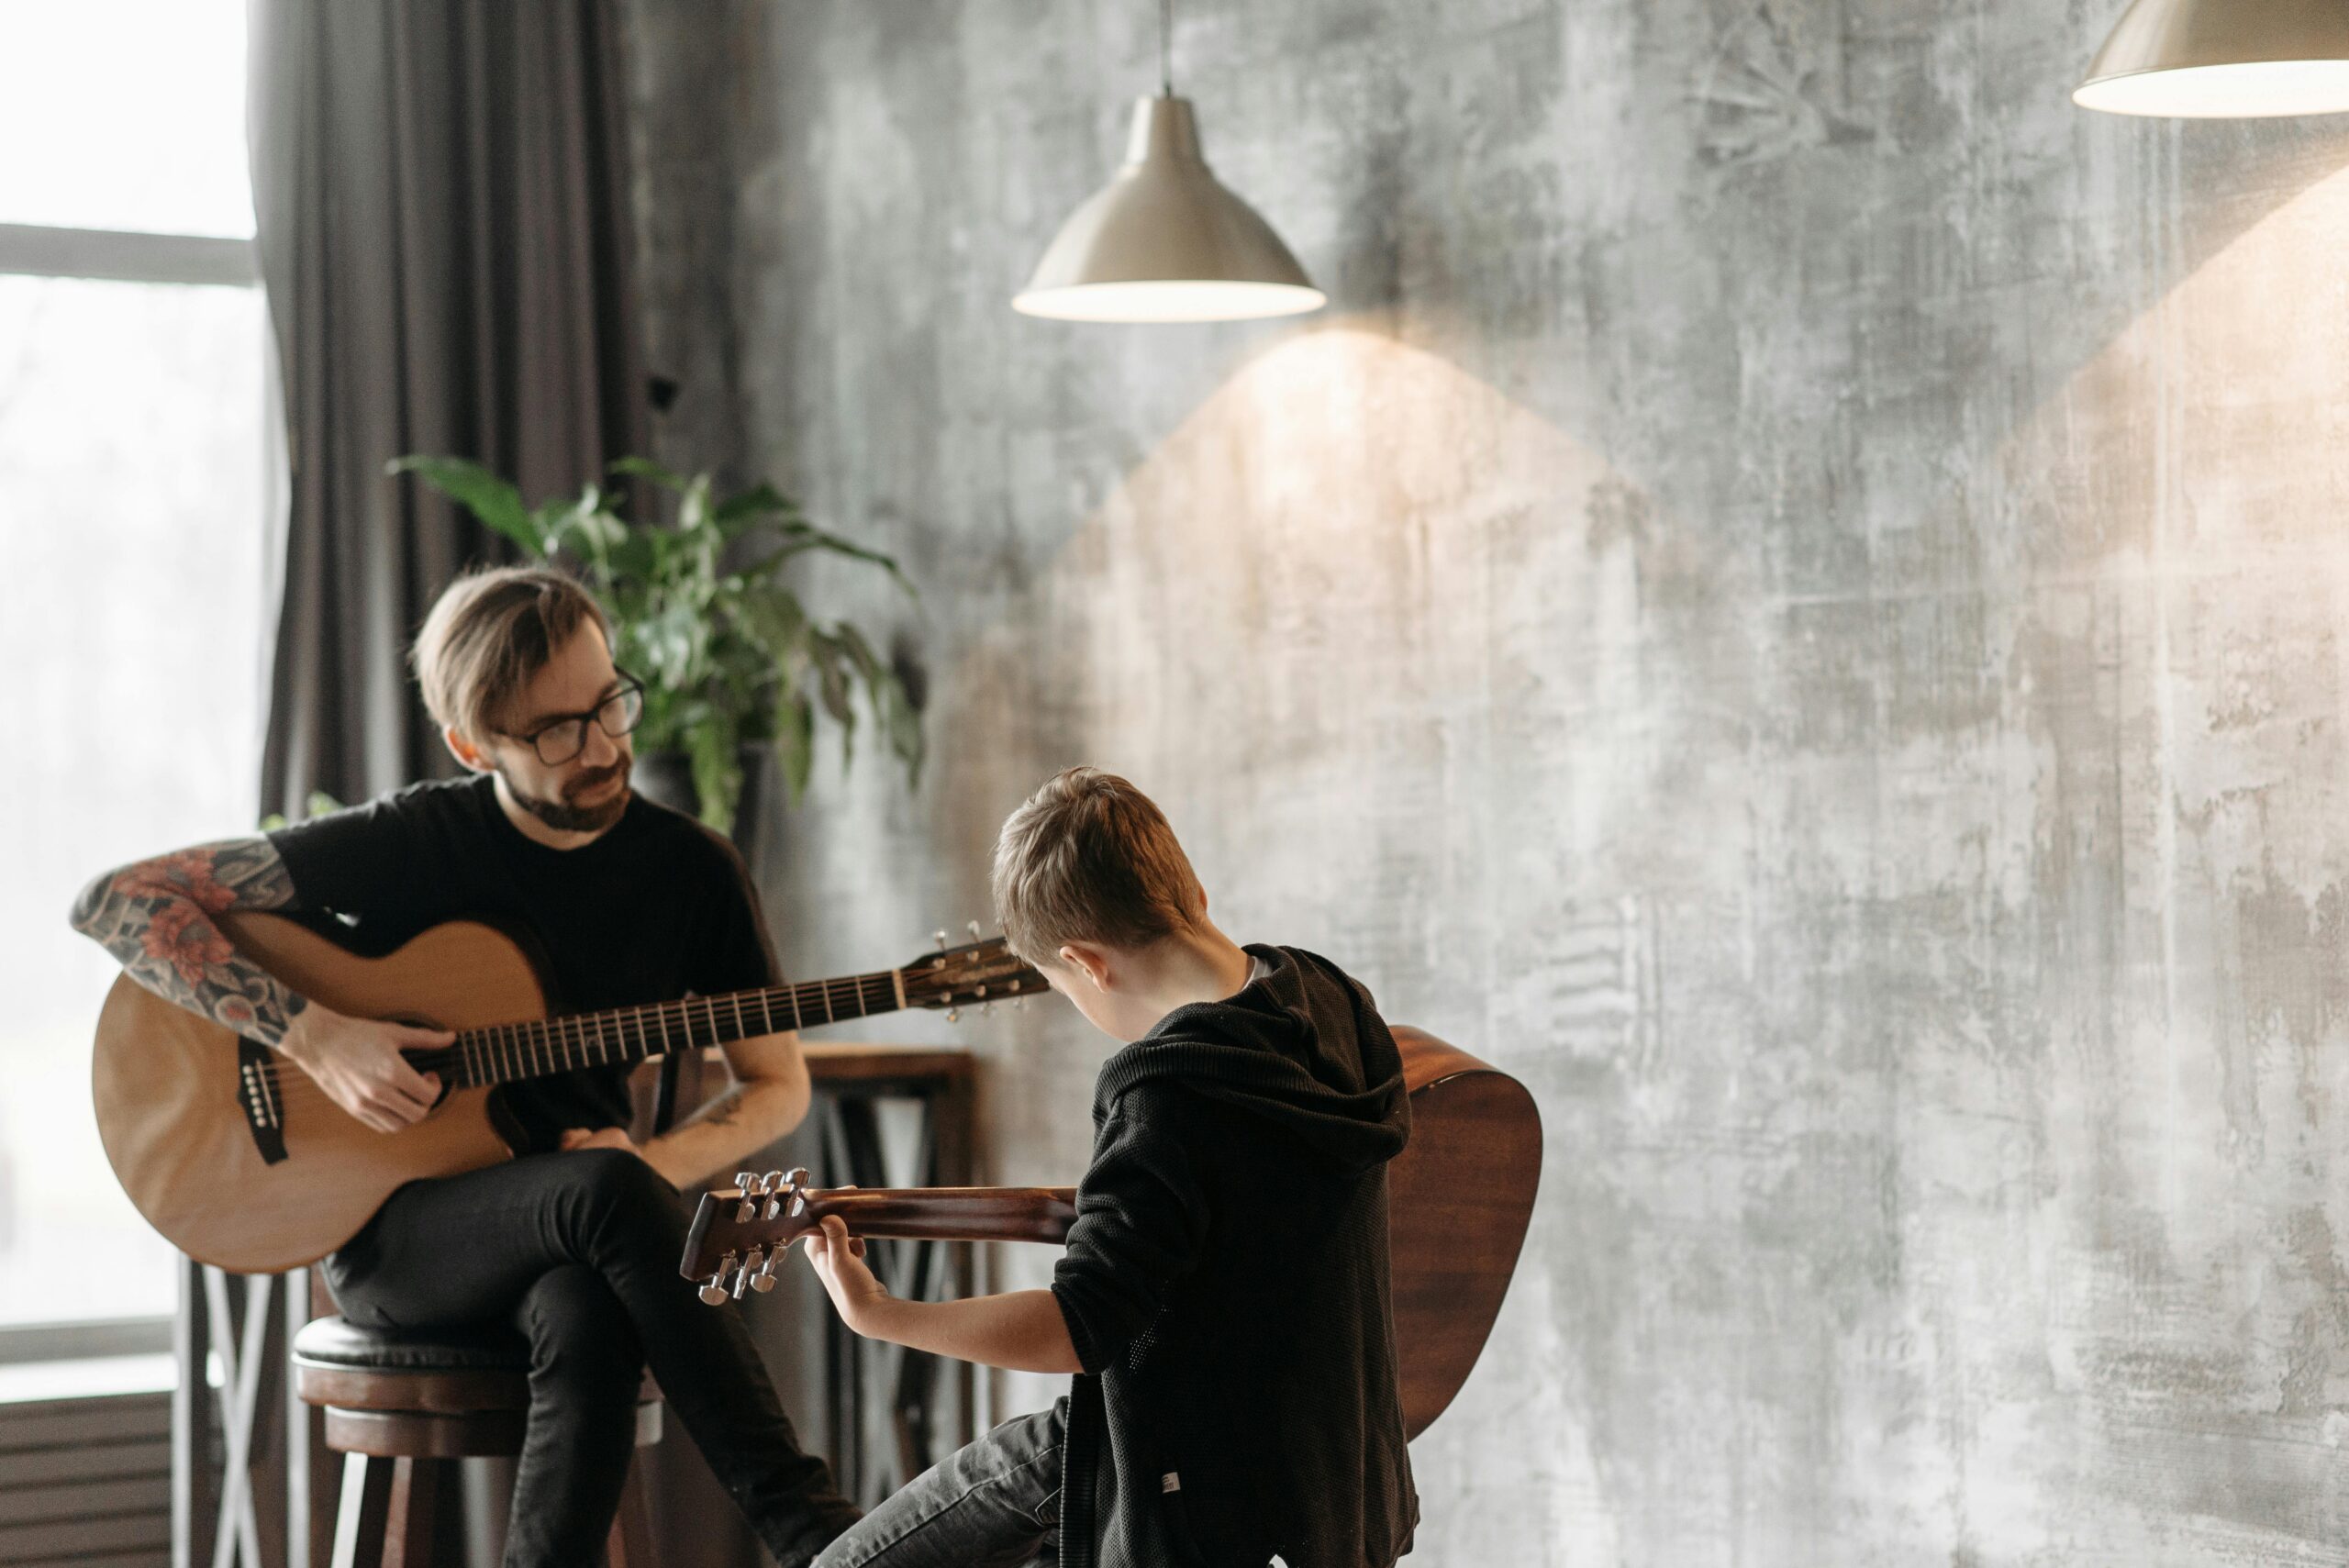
1790 601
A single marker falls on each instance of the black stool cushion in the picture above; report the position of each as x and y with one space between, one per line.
337 1342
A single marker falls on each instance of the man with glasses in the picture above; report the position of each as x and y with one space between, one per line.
624 902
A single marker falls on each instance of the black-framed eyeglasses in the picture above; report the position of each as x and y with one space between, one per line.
562 738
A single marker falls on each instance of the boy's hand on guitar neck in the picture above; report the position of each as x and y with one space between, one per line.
358 1062
839 1261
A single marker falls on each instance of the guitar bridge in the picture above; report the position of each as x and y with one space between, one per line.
258 1095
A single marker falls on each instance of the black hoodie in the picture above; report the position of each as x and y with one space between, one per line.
1226 1288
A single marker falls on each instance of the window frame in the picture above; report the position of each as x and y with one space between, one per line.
127 256
131 256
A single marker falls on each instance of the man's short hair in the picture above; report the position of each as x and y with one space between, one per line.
1089 858
490 632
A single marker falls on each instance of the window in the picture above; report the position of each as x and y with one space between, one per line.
132 450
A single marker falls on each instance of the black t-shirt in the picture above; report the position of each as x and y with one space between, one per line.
656 907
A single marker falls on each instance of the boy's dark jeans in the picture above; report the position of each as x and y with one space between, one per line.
994 1504
579 1250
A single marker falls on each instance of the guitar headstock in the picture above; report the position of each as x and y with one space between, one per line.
974 975
743 1231
740 1233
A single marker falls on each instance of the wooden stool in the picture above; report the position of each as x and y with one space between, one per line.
403 1406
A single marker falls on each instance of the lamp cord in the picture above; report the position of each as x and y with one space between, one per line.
1166 48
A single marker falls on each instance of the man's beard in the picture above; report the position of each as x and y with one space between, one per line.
566 818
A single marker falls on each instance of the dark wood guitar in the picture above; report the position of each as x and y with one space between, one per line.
241 1159
1459 1197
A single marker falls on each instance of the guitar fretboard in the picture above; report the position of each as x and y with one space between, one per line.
504 1053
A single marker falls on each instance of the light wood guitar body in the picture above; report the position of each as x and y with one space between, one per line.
166 1085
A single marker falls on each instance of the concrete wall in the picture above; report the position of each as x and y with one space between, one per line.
1791 601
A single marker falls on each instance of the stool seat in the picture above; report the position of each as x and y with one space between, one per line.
443 1370
338 1341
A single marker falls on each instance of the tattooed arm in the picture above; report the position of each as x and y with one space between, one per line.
767 1100
158 919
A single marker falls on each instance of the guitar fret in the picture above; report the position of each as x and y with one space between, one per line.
534 1048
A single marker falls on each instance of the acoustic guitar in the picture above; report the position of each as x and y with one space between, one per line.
241 1159
1458 1199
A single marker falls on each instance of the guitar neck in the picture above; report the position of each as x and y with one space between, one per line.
504 1053
954 1214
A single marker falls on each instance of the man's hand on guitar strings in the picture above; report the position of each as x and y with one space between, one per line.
837 1259
358 1062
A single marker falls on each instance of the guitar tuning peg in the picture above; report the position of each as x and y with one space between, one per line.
749 1266
746 1184
782 1185
954 1015
763 1280
714 1291
974 930
940 937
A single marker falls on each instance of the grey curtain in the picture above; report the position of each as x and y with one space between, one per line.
442 199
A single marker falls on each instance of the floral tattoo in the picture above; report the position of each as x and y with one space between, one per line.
157 917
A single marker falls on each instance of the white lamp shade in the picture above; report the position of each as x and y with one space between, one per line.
1163 242
2210 58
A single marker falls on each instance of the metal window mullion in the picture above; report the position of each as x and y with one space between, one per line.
122 256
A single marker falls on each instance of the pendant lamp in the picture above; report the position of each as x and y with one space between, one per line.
1163 241
2212 59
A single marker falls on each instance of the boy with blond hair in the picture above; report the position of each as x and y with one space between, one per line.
1223 1301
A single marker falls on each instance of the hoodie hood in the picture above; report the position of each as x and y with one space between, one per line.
1303 1047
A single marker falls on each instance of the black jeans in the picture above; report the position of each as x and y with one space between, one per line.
579 1250
994 1504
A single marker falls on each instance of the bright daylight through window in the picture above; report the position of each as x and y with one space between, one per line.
131 506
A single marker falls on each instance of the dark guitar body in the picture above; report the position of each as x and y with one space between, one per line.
1459 1198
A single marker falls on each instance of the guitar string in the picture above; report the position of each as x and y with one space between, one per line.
539 1047
534 1047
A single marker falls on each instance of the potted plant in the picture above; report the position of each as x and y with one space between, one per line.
701 613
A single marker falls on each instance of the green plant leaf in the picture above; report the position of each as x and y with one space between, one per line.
738 515
904 724
772 618
498 504
718 769
893 708
794 741
645 468
801 538
693 511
